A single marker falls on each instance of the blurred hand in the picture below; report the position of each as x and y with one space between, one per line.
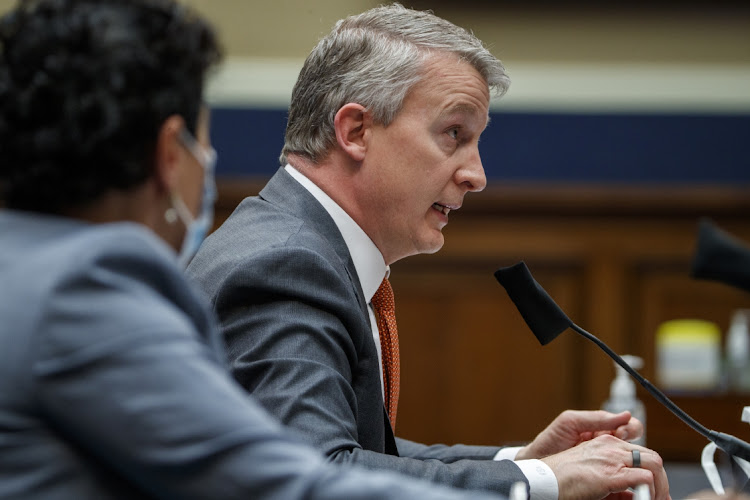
572 427
602 468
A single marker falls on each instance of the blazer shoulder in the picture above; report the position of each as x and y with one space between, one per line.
259 232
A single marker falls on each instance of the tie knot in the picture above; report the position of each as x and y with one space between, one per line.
383 298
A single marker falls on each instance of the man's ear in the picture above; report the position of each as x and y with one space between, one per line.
351 123
167 153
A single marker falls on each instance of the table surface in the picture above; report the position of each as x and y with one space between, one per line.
685 479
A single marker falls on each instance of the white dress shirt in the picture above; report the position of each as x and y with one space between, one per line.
371 269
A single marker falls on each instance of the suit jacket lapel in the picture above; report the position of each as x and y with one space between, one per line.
289 195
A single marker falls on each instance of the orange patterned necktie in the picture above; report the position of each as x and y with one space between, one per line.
385 312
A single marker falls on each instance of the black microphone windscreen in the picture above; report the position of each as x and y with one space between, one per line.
721 257
544 317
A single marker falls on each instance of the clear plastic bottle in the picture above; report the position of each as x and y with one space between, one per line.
738 352
622 395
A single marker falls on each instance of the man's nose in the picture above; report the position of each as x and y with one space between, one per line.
471 174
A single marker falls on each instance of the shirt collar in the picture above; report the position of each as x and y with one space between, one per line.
368 261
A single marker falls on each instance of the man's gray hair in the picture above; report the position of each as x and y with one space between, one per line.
373 59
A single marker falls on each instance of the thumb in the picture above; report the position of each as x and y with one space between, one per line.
601 420
624 426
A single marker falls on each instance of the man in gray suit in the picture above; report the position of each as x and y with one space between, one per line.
381 144
113 379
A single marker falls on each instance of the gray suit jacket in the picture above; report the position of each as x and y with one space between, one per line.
293 315
113 382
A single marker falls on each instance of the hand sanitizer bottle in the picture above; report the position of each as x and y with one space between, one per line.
622 395
738 352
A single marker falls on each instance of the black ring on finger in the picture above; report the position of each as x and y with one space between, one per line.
636 458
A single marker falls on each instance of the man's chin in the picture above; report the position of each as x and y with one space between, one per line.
434 245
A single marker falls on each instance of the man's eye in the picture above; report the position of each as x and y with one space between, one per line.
453 133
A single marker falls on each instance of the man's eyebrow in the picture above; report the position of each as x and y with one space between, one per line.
463 108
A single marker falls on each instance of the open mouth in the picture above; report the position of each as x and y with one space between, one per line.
441 208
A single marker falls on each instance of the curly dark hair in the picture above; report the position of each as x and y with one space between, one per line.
85 86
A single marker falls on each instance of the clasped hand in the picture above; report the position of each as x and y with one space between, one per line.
591 457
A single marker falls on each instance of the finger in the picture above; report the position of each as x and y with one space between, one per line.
600 420
586 436
641 476
625 433
653 466
620 495
632 430
602 433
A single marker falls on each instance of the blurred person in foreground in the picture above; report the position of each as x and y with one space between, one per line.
113 382
381 144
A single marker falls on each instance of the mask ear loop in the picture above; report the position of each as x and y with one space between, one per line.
178 210
709 467
206 155
207 159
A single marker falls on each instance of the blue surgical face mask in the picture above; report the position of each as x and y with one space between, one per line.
197 227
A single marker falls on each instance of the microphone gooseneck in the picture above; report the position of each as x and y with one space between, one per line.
660 396
546 320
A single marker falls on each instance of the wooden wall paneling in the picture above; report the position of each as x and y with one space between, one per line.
604 318
472 372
